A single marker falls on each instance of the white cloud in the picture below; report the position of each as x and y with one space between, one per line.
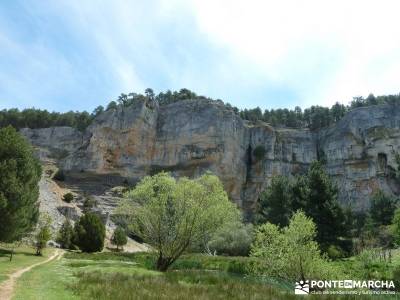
280 37
318 51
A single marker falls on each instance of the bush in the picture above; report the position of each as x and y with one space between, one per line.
259 152
369 265
335 252
234 239
43 233
291 252
68 197
65 235
119 237
59 176
89 233
89 203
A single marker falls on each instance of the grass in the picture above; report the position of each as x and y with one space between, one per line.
24 256
132 276
48 281
374 269
192 284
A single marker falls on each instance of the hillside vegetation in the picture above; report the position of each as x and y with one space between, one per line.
314 117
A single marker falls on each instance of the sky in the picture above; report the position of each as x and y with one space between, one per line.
78 54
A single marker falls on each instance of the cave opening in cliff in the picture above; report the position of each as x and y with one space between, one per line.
382 162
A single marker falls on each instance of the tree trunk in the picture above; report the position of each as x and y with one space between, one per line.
163 263
12 252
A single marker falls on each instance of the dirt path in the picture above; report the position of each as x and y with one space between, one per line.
7 287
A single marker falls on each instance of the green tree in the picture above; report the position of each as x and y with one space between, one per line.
313 193
119 237
291 252
89 203
382 208
322 206
172 215
66 235
123 99
275 203
68 197
20 173
149 93
97 111
112 105
43 233
89 233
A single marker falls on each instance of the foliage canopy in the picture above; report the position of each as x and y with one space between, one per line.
172 215
290 252
89 233
20 173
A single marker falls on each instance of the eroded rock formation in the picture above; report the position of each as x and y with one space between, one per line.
190 137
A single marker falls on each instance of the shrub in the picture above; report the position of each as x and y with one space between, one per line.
43 233
370 265
89 233
233 239
291 252
335 252
119 237
259 152
68 197
59 176
89 203
65 235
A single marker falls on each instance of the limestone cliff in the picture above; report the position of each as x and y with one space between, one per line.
190 137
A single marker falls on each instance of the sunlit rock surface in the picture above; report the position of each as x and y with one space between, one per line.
190 137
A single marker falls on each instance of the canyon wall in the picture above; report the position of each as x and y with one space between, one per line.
190 137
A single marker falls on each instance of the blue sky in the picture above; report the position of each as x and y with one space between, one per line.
75 55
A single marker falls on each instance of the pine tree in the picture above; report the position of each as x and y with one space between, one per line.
275 202
382 208
89 233
19 176
322 206
313 193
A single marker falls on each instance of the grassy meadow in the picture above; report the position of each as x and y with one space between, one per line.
110 275
24 256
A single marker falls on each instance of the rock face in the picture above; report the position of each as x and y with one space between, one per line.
191 137
360 152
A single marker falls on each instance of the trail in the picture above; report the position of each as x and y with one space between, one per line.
7 287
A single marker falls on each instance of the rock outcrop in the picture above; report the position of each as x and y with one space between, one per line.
190 137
